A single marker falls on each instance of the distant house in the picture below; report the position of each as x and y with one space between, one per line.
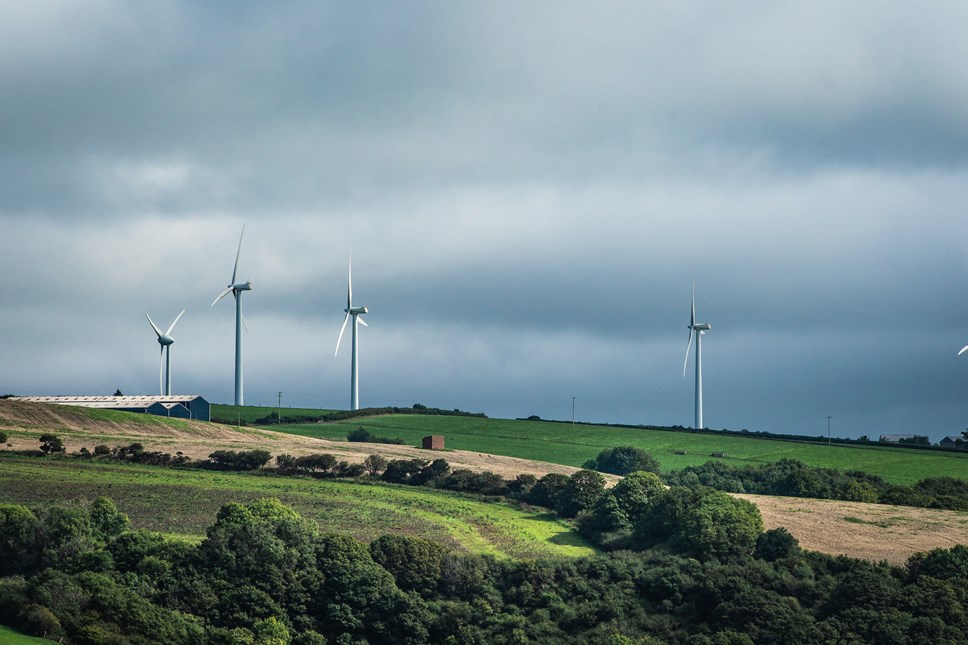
895 438
186 406
952 443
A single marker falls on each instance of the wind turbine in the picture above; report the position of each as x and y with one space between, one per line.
165 340
698 330
236 290
355 313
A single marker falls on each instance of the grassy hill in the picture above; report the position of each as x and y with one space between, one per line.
562 443
11 637
185 502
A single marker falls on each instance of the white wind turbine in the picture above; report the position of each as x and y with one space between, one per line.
699 330
236 290
355 313
165 340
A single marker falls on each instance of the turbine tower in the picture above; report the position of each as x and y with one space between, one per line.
165 340
236 290
698 330
355 313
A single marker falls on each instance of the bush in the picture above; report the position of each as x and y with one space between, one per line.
622 461
776 544
363 435
375 464
719 527
580 493
239 460
51 444
3 437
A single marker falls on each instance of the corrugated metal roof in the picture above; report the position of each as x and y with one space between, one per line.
144 401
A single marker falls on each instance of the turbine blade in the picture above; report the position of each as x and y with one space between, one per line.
963 350
239 251
153 325
161 373
244 326
688 345
361 321
341 330
222 295
176 321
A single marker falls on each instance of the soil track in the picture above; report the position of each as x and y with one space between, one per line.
868 531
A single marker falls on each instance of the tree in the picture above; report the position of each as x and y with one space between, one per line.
636 492
375 464
414 562
18 539
776 544
622 461
117 392
3 437
580 494
51 444
719 527
547 490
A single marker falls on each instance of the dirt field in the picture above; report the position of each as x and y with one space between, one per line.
868 531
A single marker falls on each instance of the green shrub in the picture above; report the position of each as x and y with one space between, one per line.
622 461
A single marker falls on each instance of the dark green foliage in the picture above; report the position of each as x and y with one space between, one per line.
622 461
547 490
322 463
662 518
51 444
580 493
375 464
399 471
720 527
19 535
414 562
239 460
794 478
101 450
776 544
3 437
361 434
265 575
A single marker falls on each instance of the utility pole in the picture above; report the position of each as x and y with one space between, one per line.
279 408
828 430
572 412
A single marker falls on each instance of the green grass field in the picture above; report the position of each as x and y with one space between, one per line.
11 637
185 502
249 413
563 443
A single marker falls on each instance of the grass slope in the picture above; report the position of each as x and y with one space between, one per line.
186 501
11 637
562 443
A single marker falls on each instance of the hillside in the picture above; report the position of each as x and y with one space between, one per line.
83 427
868 531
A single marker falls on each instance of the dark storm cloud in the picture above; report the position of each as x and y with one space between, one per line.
528 191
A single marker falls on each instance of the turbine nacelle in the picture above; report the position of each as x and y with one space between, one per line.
242 287
702 327
165 340
356 311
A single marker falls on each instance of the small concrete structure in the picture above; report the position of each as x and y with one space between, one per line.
433 442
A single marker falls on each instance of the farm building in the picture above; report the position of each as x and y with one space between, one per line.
187 406
952 443
895 438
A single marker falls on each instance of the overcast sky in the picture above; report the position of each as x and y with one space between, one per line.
528 191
